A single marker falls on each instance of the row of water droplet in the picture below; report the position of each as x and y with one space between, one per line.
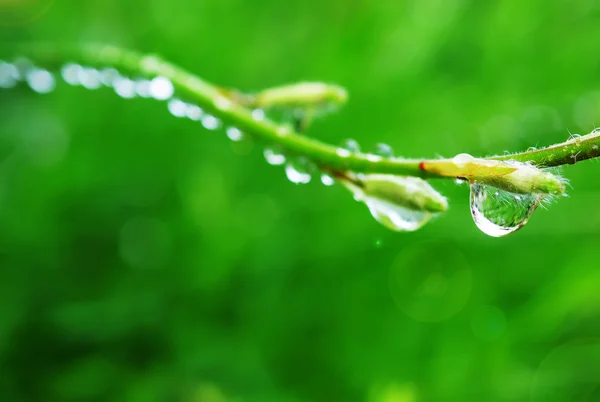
495 212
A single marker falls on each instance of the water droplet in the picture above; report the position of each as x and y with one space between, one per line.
274 157
498 212
70 73
142 88
396 217
351 145
327 180
24 66
194 112
108 76
40 81
460 181
531 149
258 114
210 122
383 150
343 152
161 88
574 137
177 107
374 158
89 78
125 88
234 134
461 160
297 172
8 75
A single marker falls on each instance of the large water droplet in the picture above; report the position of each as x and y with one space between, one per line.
274 157
497 212
297 172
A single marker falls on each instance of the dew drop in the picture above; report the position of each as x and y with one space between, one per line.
460 180
89 78
343 152
297 172
194 112
258 114
125 88
9 74
396 217
498 212
327 180
234 134
108 76
274 157
461 160
351 145
531 149
40 81
177 107
391 215
161 88
142 88
383 150
210 122
70 73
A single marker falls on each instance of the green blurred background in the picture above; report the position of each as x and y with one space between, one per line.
144 258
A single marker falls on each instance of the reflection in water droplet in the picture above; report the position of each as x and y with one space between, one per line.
234 134
383 150
177 107
125 88
430 281
498 212
327 180
297 172
40 81
70 73
161 88
459 181
392 215
274 157
258 114
395 217
210 122
193 112
8 75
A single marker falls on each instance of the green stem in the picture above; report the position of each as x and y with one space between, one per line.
212 99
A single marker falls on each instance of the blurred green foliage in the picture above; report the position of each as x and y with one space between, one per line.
144 258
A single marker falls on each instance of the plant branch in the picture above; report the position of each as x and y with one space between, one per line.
214 100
